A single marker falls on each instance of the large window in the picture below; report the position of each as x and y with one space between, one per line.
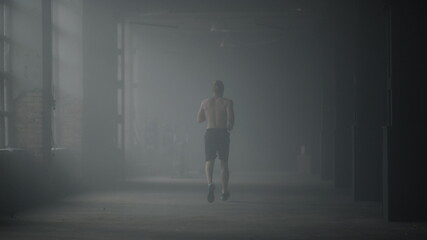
5 81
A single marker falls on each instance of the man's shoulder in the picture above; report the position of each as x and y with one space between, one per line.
205 100
229 101
212 99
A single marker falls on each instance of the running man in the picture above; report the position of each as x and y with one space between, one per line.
219 114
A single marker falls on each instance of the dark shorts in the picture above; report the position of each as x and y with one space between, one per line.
217 141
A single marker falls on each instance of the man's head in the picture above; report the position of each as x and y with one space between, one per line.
218 88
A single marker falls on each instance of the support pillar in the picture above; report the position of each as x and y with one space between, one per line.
327 145
327 137
405 189
370 81
47 101
344 62
101 155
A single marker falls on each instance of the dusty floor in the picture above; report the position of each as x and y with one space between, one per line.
260 207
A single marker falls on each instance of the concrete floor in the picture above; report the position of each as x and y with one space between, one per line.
262 206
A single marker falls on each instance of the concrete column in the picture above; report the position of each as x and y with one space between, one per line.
405 189
100 154
327 145
315 157
370 79
327 142
47 79
344 92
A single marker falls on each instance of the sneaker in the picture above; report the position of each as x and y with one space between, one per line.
225 196
211 190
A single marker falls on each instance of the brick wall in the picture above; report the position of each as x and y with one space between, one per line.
28 122
70 111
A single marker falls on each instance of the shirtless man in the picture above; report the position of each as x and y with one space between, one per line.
219 114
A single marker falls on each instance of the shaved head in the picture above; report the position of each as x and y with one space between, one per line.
218 87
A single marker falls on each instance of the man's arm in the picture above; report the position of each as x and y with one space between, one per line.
201 116
230 116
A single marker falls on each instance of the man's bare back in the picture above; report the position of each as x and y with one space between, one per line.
218 112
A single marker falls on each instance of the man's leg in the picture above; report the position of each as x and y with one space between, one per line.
223 152
211 187
225 175
209 165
